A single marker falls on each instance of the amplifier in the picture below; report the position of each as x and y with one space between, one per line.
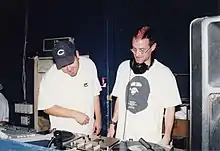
49 43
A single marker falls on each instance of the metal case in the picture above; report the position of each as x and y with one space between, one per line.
205 83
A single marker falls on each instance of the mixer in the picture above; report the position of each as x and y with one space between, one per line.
14 132
63 140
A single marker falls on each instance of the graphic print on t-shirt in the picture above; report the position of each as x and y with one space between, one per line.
137 93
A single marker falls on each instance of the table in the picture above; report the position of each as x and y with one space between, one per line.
11 145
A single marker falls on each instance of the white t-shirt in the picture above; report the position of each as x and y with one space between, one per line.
147 95
58 88
4 109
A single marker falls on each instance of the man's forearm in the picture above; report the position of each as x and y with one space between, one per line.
115 114
169 120
61 112
97 108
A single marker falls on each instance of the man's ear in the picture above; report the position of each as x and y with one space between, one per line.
77 53
154 46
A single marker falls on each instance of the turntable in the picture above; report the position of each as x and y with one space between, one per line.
64 140
140 145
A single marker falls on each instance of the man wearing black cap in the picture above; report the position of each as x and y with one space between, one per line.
69 91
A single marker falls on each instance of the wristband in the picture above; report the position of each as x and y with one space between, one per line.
113 123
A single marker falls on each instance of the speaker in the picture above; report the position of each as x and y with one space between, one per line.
205 83
36 67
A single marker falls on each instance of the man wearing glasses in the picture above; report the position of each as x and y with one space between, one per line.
144 87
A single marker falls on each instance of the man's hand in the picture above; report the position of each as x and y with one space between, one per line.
111 131
97 127
81 118
165 141
98 116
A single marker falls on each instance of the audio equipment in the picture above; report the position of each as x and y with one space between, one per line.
205 83
64 140
140 145
140 68
16 132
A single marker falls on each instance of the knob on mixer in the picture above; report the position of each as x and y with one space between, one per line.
88 146
58 142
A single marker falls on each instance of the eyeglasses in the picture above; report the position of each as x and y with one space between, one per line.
141 50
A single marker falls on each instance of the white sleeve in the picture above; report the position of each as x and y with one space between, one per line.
117 86
171 95
6 112
46 93
6 117
4 108
97 86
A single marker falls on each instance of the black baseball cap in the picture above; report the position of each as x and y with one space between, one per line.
63 53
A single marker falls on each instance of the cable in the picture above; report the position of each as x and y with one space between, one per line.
24 52
146 144
126 111
109 117
51 142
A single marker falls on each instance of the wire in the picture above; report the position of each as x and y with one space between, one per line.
145 144
109 117
126 112
24 52
51 142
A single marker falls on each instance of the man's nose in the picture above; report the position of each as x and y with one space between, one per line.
138 53
70 67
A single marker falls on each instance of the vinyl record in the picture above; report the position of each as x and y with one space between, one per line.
66 136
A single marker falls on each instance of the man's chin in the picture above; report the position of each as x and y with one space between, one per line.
73 75
139 62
